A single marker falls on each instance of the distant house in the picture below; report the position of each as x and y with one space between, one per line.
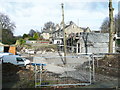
47 34
90 42
58 34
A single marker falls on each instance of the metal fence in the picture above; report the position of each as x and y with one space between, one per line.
51 71
80 69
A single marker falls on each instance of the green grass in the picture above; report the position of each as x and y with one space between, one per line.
47 81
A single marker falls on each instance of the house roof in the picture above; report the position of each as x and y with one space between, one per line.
69 25
96 37
47 31
72 23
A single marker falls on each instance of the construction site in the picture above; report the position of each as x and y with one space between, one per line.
77 58
48 70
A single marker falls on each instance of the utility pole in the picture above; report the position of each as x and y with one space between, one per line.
111 32
62 5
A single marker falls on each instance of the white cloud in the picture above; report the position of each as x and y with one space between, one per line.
29 14
58 1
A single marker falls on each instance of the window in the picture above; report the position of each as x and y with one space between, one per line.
19 60
77 34
58 42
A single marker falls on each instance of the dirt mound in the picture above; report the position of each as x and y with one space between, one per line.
9 72
8 67
110 61
14 76
109 65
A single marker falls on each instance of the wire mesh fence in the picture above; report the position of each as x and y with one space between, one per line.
56 73
80 70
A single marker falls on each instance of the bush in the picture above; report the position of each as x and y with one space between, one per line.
31 38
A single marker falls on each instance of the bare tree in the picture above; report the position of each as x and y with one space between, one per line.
31 32
117 24
49 25
105 26
6 23
7 28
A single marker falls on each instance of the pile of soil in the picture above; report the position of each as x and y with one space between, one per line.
14 76
9 72
20 77
109 65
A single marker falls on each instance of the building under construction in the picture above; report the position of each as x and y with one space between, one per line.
88 42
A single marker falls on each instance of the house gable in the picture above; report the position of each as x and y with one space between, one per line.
73 28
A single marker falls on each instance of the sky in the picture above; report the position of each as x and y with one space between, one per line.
33 14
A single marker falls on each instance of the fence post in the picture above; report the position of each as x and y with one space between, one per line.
40 74
35 74
97 63
93 67
90 68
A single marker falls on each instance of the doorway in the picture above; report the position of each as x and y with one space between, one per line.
78 47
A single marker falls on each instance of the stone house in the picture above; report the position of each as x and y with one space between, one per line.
58 34
46 34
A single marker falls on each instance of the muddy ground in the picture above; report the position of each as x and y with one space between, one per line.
20 77
109 65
